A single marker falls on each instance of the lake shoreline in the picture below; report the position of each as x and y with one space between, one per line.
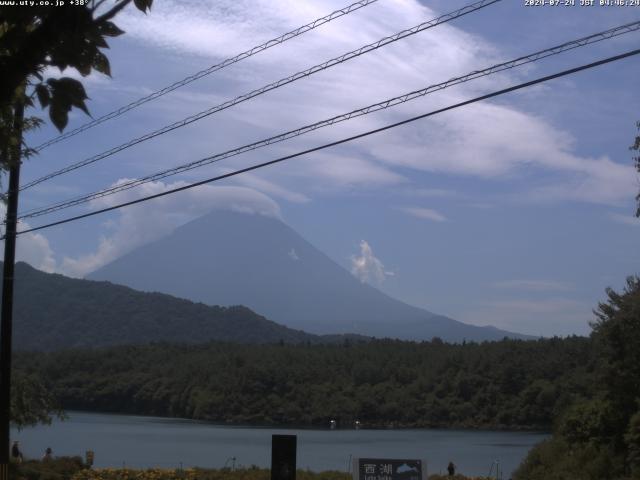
164 442
363 426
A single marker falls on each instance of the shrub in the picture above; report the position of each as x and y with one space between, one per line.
61 468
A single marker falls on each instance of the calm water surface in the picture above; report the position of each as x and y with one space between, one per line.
150 441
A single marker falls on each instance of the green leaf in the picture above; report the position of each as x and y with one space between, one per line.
84 68
59 115
65 93
72 87
101 63
81 105
44 96
143 5
109 29
96 37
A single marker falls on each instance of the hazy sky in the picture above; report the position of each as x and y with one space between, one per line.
516 212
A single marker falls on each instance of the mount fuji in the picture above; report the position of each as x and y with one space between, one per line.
232 258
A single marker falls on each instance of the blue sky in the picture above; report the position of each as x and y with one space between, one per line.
517 212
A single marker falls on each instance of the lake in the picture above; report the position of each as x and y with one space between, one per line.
136 441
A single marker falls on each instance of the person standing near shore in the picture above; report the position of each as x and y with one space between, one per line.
16 454
451 468
48 455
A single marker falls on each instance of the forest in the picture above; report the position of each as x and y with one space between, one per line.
599 437
586 390
506 384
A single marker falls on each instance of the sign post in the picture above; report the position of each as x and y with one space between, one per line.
283 457
388 469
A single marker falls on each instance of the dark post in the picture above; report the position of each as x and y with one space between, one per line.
283 457
7 293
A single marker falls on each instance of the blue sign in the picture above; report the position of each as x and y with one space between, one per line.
387 469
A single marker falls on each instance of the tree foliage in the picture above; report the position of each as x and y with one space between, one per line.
601 432
632 439
38 37
32 39
507 384
31 401
617 337
560 459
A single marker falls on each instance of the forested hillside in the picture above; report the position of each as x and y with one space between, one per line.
512 384
54 312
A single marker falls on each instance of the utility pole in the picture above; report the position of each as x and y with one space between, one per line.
6 321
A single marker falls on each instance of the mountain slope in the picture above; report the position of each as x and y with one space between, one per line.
53 312
227 258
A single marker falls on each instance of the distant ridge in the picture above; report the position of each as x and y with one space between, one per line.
53 312
229 258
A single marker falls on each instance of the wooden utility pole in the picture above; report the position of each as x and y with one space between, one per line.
6 321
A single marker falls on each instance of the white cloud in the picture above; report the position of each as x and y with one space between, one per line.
293 255
260 183
489 131
215 30
424 213
484 140
32 248
367 267
148 221
343 171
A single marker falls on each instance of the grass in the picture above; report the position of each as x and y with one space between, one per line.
73 468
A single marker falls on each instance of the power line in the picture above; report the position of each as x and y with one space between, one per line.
337 119
267 88
214 68
339 142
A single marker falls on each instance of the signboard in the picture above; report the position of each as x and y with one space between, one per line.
387 469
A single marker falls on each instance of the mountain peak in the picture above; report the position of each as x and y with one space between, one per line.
228 258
